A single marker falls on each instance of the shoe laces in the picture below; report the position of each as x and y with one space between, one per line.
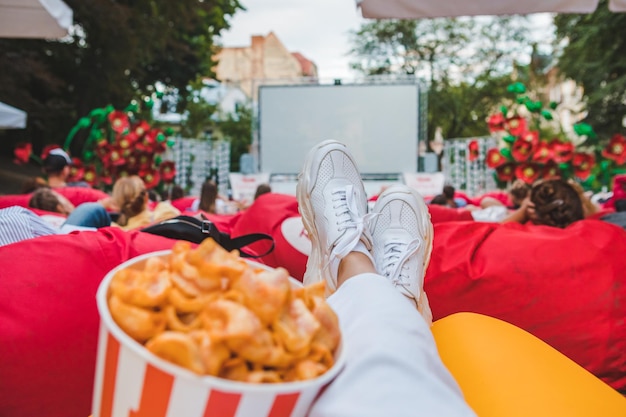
395 254
345 205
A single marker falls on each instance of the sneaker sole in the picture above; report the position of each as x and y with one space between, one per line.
315 271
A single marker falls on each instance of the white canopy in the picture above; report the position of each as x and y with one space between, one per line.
416 9
47 19
11 118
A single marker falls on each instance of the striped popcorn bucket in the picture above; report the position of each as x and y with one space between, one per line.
132 382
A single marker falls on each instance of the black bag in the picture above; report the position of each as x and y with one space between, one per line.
196 230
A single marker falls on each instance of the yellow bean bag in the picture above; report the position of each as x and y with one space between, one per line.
505 371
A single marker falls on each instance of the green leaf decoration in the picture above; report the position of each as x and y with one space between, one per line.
533 106
553 105
521 99
509 138
517 88
504 110
160 138
506 152
169 131
157 160
171 142
546 114
584 129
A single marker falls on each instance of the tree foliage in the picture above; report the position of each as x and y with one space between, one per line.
468 62
594 57
237 129
117 53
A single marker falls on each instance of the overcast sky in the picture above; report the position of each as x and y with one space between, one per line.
318 29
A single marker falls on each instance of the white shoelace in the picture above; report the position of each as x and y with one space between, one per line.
346 210
394 256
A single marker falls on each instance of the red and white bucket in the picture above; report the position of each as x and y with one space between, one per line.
132 382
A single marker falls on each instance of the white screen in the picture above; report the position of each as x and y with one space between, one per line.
378 123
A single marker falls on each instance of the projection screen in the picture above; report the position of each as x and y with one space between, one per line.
378 122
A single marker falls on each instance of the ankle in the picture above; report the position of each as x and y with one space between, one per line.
355 263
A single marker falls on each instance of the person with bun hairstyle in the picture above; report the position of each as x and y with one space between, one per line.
131 196
554 202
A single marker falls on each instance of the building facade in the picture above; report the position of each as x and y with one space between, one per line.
264 60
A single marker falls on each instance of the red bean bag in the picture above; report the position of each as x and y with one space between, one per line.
76 196
277 215
565 286
49 321
184 203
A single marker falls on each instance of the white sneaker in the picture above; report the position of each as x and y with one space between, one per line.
403 241
333 205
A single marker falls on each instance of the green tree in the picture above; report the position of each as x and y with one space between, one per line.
237 129
467 62
594 57
117 53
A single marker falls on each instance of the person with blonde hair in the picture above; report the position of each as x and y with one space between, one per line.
131 196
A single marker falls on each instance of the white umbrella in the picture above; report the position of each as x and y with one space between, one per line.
416 9
41 19
11 118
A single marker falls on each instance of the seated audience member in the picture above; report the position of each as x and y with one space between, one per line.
56 166
262 189
448 192
553 202
90 215
131 196
439 200
176 192
211 202
19 223
517 192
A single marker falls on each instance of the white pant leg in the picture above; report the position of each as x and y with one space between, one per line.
393 367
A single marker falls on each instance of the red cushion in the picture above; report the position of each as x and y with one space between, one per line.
184 203
14 200
566 287
439 214
266 215
49 320
76 196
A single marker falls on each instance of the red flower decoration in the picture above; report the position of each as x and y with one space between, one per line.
516 125
616 149
147 142
495 158
127 141
527 172
506 172
119 121
472 147
77 170
152 178
543 154
532 137
583 162
140 129
496 122
168 171
551 170
22 153
90 176
521 150
563 151
114 157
